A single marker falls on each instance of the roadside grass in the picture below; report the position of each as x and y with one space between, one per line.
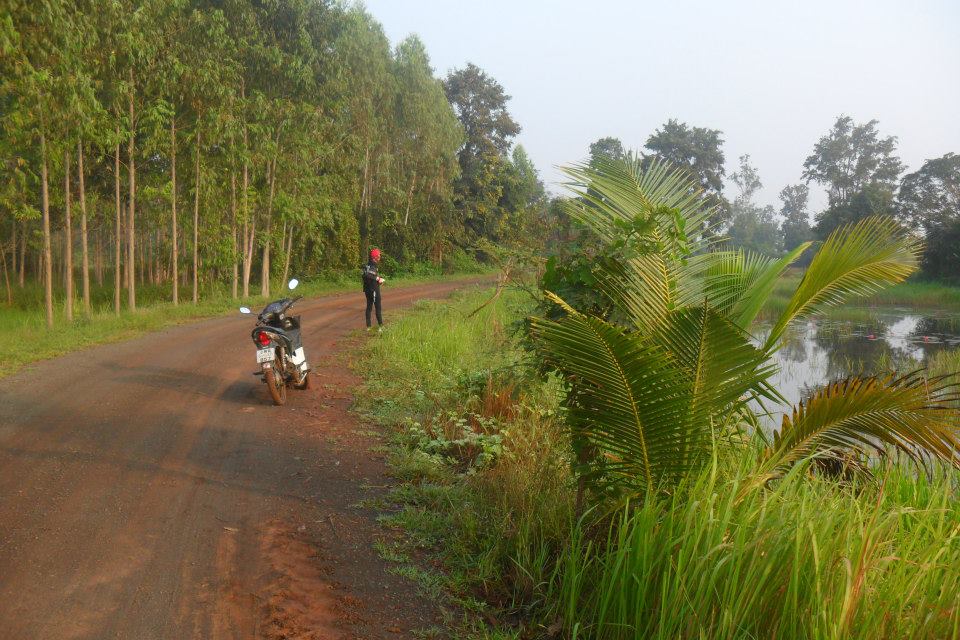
24 337
486 507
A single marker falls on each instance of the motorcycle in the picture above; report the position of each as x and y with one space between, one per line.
280 348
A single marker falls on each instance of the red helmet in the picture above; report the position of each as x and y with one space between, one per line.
375 254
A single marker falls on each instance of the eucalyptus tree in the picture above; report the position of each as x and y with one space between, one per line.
209 73
425 136
364 89
752 226
35 38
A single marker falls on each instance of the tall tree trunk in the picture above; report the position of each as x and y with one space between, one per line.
23 253
413 183
47 257
248 260
67 239
83 233
174 260
364 221
196 226
286 261
151 272
98 261
265 263
233 232
131 217
247 238
6 276
117 286
14 246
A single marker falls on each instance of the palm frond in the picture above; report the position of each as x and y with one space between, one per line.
916 416
640 288
662 211
856 260
738 283
725 370
610 192
628 398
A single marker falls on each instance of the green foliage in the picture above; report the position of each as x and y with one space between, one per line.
647 398
608 148
697 151
872 200
802 559
752 227
852 157
930 198
796 219
717 557
258 139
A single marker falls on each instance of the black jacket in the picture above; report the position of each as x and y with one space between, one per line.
370 273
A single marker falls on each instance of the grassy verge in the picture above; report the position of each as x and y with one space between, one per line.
24 337
486 503
913 293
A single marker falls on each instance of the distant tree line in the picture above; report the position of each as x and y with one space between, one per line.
859 170
199 144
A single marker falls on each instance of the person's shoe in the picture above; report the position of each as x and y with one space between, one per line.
368 329
379 329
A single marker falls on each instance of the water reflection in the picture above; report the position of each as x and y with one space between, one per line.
857 341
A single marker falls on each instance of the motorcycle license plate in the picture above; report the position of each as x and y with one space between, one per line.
264 355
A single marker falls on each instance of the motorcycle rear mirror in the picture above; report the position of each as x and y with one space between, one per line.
245 310
293 284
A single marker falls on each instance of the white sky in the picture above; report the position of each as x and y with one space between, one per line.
772 75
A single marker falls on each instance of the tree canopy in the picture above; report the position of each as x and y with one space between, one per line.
852 157
699 152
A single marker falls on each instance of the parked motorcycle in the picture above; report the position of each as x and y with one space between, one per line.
280 348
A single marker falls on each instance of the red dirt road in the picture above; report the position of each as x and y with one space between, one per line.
148 489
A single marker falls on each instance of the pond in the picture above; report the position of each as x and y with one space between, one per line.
853 341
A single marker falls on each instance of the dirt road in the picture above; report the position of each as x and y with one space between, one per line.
148 489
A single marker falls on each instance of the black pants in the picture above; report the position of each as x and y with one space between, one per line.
373 300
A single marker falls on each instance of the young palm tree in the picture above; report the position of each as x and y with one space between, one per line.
649 395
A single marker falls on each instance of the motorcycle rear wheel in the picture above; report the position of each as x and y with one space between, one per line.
276 385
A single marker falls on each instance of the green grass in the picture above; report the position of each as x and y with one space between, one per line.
803 559
24 337
486 493
913 293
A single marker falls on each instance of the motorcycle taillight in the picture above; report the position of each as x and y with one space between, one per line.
263 338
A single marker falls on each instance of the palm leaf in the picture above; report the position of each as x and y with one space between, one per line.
725 370
615 195
628 398
640 288
610 192
856 260
913 415
738 283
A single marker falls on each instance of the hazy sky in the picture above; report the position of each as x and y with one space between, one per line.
772 75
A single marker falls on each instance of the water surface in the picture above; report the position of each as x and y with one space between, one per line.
853 341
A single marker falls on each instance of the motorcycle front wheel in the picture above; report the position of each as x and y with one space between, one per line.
276 385
305 383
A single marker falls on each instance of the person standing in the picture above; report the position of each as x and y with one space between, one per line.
371 288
